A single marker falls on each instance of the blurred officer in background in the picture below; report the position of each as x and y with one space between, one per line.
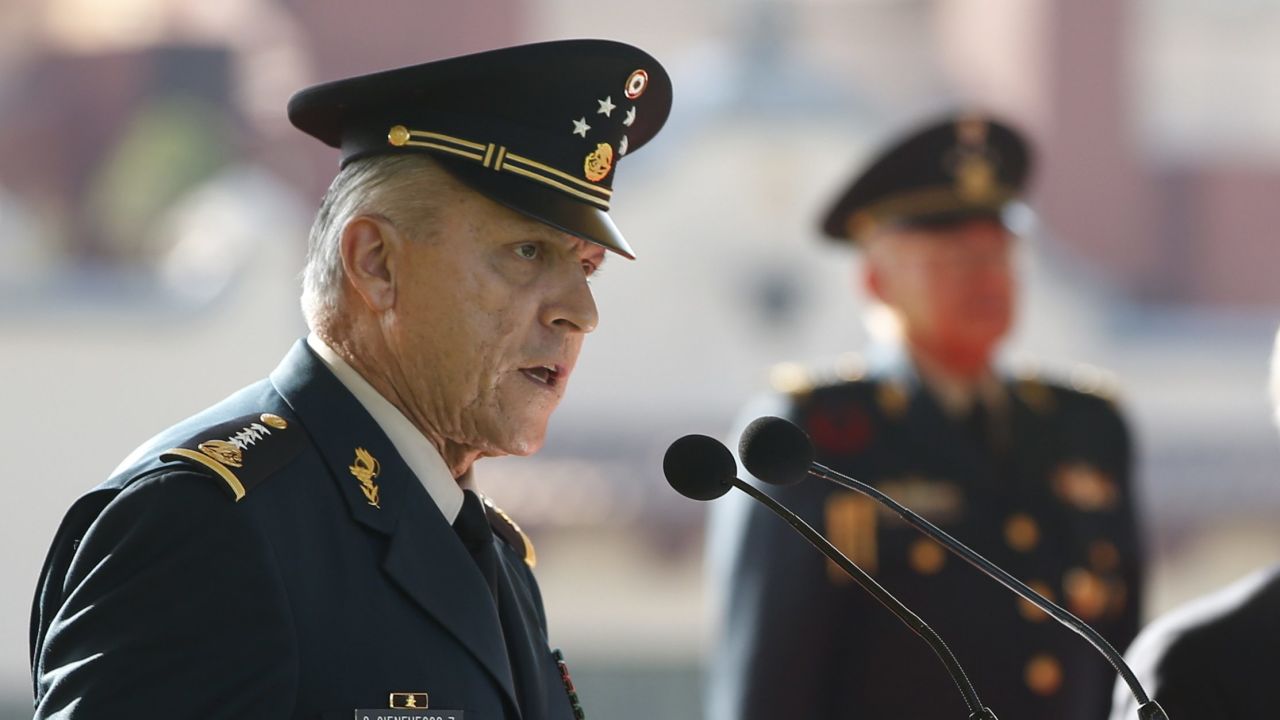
314 545
1032 475
1216 657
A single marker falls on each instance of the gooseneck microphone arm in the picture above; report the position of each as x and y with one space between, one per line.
1147 709
977 711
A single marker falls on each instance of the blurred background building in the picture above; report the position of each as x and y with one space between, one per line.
154 204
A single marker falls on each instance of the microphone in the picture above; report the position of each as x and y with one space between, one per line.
702 468
778 452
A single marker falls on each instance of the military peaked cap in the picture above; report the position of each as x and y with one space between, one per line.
960 167
538 128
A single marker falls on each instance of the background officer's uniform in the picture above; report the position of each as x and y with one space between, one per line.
287 553
1030 474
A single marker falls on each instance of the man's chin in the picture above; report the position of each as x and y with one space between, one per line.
521 443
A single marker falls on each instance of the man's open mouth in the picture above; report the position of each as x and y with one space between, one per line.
548 375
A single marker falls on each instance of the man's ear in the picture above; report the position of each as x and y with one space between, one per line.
368 247
873 280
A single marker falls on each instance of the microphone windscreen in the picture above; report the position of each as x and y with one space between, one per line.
775 451
699 467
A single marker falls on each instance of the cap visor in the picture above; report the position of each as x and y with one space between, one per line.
542 204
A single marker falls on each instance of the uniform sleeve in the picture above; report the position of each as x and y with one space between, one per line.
1178 673
172 607
771 656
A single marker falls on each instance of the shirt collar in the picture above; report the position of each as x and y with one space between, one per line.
417 452
895 362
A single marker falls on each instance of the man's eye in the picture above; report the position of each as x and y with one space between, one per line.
589 268
528 251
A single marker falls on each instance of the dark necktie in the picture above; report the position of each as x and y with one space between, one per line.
990 434
978 421
473 529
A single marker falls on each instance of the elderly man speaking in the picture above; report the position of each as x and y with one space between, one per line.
313 546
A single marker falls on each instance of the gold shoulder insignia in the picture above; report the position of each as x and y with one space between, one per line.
510 532
851 367
791 378
1036 394
1093 380
893 399
243 452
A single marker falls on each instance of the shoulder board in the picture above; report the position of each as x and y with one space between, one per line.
1093 380
507 529
244 451
1043 395
1036 393
792 378
789 378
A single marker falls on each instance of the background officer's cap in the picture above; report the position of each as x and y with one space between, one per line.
961 167
538 128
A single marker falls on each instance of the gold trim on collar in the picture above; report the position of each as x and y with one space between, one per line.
236 487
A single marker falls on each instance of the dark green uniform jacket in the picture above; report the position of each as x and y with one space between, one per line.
1048 500
331 583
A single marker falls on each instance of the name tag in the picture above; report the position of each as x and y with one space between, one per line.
383 714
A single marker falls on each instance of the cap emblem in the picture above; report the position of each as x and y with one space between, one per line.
636 84
598 162
975 178
974 170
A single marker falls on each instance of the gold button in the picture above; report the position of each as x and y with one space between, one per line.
1043 674
927 557
1085 487
1103 556
1087 595
1030 612
1021 532
893 400
274 421
398 135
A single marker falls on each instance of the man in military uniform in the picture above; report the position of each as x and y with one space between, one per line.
314 546
1216 657
1032 475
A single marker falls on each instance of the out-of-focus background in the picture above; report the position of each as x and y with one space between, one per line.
154 203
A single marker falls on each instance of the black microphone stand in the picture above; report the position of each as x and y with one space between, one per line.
977 711
1147 708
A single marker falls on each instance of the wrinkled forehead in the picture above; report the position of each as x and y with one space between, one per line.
494 224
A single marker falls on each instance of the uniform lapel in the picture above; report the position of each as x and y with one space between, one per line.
523 642
424 556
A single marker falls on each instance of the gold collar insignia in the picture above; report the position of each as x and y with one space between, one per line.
365 469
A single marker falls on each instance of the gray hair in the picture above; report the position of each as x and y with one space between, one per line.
403 189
